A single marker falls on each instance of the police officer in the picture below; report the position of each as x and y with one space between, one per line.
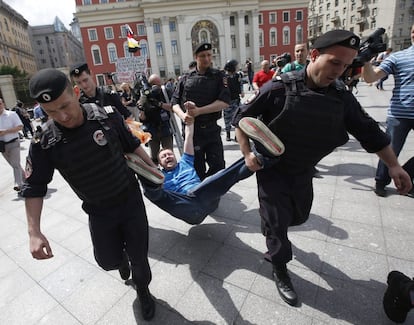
201 95
86 143
311 112
90 93
234 82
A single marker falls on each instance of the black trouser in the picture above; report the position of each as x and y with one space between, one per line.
208 148
409 167
285 200
122 226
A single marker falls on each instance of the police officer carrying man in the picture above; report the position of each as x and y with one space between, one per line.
311 112
201 95
86 144
90 93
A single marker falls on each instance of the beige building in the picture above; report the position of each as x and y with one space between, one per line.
363 17
15 47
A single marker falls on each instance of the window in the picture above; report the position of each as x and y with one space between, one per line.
344 10
96 55
174 47
157 28
109 33
177 70
402 4
112 55
286 16
374 11
260 18
39 42
124 31
272 37
233 41
87 2
144 48
232 21
328 17
100 80
272 18
247 37
401 19
163 74
141 30
336 3
260 38
286 35
352 19
103 1
127 54
173 27
93 36
299 34
158 49
246 20
373 24
328 6
353 6
299 15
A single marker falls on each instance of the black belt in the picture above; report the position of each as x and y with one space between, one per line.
205 125
12 140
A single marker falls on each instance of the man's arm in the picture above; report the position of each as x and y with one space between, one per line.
39 245
400 177
371 73
249 157
188 141
184 116
213 107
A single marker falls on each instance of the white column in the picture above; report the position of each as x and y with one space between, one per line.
242 36
151 46
7 90
186 51
255 39
227 36
165 23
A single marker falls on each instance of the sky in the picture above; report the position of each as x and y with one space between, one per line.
43 12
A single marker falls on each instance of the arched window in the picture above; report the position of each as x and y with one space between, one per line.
272 36
127 54
299 34
112 54
261 41
144 48
96 55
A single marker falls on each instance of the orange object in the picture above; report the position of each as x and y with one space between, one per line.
136 130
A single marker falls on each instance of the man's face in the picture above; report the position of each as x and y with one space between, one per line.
65 110
301 53
204 59
85 82
328 65
266 66
167 159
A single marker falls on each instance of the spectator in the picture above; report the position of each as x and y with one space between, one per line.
263 75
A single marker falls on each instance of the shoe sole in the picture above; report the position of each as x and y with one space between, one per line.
143 169
257 130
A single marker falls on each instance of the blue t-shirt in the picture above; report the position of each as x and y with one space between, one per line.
401 65
183 177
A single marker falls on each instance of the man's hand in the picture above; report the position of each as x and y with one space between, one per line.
191 108
251 162
39 247
401 179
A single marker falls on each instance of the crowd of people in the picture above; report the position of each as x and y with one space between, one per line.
84 137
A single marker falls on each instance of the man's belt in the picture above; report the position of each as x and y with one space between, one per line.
205 125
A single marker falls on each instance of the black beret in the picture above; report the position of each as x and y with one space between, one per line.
202 47
47 85
77 69
337 37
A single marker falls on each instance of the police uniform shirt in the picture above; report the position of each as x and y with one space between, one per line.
270 101
41 162
106 98
205 88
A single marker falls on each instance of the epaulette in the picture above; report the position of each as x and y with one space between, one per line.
50 135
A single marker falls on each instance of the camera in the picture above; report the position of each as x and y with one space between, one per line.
369 48
283 59
141 85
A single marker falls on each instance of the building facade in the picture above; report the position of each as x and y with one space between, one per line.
168 31
15 47
363 17
55 47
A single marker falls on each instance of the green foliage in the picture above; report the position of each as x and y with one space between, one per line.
14 71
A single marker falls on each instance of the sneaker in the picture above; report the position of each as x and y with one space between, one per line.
380 190
262 136
140 167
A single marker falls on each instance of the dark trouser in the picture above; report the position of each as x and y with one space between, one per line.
409 167
228 113
202 199
208 148
285 200
120 227
397 129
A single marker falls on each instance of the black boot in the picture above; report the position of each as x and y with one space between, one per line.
284 285
399 297
228 136
147 303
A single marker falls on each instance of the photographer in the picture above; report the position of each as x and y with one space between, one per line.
155 114
263 75
280 62
400 116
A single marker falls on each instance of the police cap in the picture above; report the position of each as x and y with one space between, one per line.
78 68
47 85
337 37
202 47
